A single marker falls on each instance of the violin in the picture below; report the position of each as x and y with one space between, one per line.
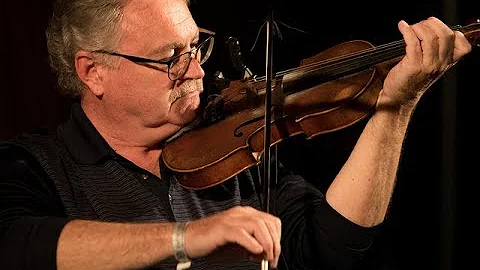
332 90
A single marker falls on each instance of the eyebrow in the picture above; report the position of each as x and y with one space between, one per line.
164 49
171 46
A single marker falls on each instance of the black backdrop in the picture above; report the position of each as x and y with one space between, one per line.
433 204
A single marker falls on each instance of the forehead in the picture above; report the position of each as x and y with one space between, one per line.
156 22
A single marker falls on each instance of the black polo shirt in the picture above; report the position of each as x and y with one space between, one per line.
48 178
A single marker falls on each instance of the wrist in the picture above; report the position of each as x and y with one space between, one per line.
178 242
388 104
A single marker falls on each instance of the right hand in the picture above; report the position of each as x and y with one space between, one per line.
256 231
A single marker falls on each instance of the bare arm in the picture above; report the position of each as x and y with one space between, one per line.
363 188
101 245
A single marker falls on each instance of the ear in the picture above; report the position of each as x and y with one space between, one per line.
89 72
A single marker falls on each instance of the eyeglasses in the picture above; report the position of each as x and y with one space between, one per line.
178 65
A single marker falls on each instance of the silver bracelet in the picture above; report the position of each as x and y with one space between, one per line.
178 242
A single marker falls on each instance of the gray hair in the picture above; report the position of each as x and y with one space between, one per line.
80 25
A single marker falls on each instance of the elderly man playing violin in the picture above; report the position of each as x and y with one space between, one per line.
94 193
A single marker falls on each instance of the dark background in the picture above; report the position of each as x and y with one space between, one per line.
430 220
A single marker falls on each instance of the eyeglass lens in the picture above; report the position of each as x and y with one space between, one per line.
179 68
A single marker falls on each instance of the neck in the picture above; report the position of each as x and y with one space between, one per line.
141 145
148 159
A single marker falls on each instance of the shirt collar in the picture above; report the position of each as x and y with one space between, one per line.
82 139
86 144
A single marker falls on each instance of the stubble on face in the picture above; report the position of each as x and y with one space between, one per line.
185 89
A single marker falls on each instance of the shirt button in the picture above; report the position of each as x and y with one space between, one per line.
144 176
170 197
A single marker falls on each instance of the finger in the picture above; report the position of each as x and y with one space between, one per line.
275 230
462 46
269 234
413 49
245 239
428 42
274 226
251 232
446 40
264 236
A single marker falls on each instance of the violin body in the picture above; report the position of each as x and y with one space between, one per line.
329 91
228 146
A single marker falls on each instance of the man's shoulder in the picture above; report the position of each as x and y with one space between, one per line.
39 141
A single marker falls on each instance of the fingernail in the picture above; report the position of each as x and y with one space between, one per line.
404 23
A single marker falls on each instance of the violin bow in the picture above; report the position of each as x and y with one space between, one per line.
266 179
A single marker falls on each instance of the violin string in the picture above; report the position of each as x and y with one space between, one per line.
347 58
350 61
340 64
335 65
378 49
344 60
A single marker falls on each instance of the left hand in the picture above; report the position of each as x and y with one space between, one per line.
431 49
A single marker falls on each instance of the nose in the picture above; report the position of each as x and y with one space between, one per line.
194 70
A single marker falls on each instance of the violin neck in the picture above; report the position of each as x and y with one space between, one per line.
347 64
350 63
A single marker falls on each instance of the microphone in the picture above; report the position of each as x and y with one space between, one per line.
236 56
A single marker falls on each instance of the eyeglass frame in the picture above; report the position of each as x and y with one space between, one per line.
170 62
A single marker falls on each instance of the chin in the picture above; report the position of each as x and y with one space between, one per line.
185 109
184 118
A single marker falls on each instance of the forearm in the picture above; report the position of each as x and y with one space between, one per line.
363 188
101 245
311 227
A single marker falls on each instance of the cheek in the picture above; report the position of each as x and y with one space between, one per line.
142 95
152 101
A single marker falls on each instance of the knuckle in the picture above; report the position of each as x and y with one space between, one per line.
278 221
433 69
236 208
249 209
259 222
450 35
431 38
278 249
268 245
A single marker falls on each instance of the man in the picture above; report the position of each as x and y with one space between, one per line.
94 194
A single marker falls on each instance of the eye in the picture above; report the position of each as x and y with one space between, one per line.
174 54
195 43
